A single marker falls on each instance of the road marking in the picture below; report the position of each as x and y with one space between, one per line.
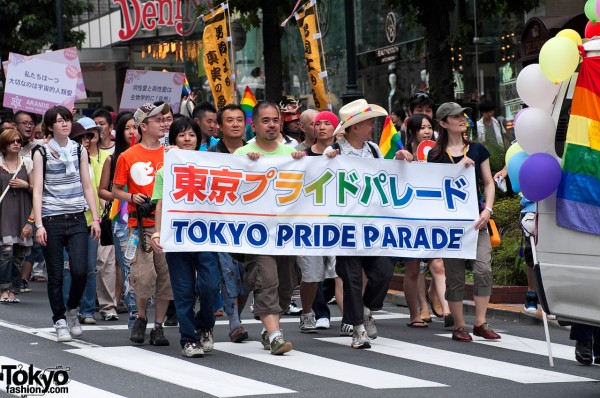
325 367
76 389
529 346
378 317
45 333
180 372
464 362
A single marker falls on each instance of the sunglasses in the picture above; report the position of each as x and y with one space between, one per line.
87 136
15 141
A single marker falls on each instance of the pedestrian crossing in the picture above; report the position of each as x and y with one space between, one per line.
203 376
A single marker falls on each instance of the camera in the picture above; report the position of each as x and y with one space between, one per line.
145 209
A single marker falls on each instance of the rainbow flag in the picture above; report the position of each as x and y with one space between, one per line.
578 195
186 89
390 141
248 103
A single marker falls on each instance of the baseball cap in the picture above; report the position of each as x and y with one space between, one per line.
450 109
148 110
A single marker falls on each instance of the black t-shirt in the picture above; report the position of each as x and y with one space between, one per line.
477 152
310 152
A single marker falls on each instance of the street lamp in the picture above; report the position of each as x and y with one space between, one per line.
60 39
352 93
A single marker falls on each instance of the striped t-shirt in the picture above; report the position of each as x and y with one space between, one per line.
62 194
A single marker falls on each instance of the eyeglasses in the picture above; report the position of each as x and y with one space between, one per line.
88 136
63 121
157 121
26 123
15 141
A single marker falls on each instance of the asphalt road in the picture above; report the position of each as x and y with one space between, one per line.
403 361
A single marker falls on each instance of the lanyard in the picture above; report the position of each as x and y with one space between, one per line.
450 156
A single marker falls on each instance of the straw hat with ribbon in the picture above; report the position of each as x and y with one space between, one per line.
357 111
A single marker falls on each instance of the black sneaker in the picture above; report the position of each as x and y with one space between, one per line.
157 337
171 320
24 288
138 331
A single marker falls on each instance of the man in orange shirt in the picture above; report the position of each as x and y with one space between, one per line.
136 168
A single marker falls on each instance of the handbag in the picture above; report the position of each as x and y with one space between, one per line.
495 239
106 237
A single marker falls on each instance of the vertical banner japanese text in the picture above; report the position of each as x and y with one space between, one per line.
310 35
216 57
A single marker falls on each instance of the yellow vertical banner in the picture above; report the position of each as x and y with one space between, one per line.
216 57
310 34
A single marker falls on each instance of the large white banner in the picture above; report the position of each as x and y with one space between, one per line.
142 86
317 206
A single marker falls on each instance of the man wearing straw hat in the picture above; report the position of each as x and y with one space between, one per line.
357 124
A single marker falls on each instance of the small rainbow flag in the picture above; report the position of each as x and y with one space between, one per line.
186 89
390 141
248 103
578 195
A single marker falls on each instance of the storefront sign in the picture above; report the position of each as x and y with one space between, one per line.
143 86
317 206
150 15
34 84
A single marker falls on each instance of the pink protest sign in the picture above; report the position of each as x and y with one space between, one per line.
143 86
35 84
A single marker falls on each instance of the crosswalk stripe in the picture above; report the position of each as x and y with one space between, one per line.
464 362
529 346
325 367
46 333
180 372
76 389
296 320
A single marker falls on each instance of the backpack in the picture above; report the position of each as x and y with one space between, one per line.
336 145
42 150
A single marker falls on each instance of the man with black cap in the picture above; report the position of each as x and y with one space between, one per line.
136 168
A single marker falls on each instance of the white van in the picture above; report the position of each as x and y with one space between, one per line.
568 269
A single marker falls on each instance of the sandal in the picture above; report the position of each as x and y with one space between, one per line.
38 278
426 316
417 324
13 300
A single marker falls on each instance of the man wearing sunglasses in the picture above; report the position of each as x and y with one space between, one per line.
25 122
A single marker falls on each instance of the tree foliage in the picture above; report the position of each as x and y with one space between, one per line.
434 17
27 26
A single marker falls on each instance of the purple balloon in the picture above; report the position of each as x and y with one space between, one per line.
539 176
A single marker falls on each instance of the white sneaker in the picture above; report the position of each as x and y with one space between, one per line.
62 331
370 327
206 340
192 350
73 322
308 323
322 323
360 339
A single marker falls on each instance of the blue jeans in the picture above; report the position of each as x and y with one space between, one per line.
232 284
120 238
65 231
87 307
192 274
11 266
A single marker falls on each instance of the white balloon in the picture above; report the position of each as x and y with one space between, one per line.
535 131
534 88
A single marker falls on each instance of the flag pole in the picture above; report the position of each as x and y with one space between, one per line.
329 104
232 58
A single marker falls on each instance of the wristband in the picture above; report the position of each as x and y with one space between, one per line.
155 235
98 220
132 197
31 221
490 210
39 226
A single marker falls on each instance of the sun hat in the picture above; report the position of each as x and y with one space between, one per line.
450 109
357 111
148 110
88 124
77 130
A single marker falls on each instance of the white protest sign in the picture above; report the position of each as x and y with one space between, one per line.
35 85
67 56
143 86
317 206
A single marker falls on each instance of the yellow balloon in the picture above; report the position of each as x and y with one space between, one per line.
571 35
511 151
559 58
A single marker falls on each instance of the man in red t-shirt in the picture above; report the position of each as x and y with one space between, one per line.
136 168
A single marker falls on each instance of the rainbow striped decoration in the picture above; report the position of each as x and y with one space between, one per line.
186 89
248 103
578 195
390 141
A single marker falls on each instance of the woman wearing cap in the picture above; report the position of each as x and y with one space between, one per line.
62 192
453 147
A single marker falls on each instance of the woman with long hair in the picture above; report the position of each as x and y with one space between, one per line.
126 133
453 147
16 218
419 128
62 192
